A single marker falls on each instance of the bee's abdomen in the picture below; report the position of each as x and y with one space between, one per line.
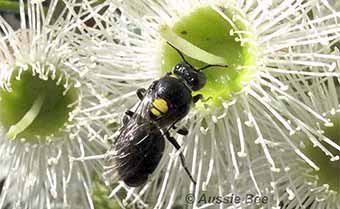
139 155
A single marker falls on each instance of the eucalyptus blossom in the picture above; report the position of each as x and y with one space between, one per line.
46 121
273 49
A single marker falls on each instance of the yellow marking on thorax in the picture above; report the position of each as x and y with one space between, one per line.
155 112
160 104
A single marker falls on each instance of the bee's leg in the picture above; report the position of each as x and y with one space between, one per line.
173 141
2 184
126 119
197 97
141 93
182 131
129 113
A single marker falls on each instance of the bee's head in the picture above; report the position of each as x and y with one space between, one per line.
193 78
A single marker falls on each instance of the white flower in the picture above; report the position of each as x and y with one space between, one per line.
282 48
46 117
297 184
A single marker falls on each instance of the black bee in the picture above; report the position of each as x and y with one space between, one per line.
140 145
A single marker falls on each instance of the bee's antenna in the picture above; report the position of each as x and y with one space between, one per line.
208 66
179 52
202 68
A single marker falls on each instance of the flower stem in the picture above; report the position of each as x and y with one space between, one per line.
188 48
28 118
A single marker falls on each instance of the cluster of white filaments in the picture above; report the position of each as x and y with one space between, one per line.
43 173
293 42
297 185
252 143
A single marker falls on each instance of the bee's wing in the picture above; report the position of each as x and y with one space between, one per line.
136 114
128 138
136 154
123 150
142 106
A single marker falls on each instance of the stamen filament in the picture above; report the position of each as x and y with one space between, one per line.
28 118
188 48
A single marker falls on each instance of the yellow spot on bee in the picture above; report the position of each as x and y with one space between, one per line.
161 105
155 112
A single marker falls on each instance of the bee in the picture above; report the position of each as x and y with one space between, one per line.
140 144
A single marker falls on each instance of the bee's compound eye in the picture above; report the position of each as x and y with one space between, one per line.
197 81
